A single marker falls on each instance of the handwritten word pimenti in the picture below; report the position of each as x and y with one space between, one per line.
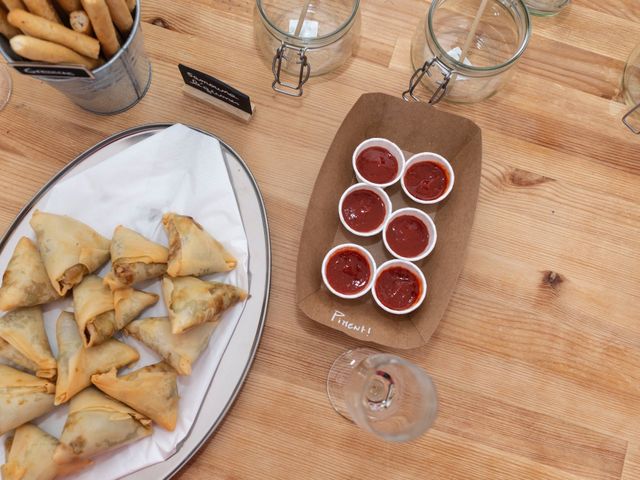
340 319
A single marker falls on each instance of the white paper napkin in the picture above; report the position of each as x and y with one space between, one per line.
178 170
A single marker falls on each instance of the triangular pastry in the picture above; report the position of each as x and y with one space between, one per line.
193 251
134 259
23 329
100 313
76 363
98 424
151 390
23 397
30 456
179 351
25 282
191 301
128 304
69 249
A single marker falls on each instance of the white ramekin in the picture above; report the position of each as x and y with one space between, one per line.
426 219
384 143
365 253
378 191
435 158
409 266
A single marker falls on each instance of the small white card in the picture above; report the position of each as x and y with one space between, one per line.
455 54
309 28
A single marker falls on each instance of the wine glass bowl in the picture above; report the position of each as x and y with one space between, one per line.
383 394
6 86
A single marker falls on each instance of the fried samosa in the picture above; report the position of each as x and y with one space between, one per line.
135 259
30 456
191 301
23 329
12 357
98 424
129 303
101 313
94 312
152 391
193 251
76 363
179 351
25 282
23 397
69 249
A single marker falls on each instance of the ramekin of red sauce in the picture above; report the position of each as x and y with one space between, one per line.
409 234
348 270
378 162
399 287
428 178
364 209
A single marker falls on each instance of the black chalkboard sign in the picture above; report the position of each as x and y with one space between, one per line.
48 70
216 88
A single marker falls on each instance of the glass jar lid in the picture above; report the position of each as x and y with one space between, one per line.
322 22
478 37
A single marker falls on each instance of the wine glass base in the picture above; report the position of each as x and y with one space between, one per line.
6 86
339 374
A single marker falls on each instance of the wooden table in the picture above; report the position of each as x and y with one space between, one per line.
537 359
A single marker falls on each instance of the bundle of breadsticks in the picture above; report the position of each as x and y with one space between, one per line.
74 32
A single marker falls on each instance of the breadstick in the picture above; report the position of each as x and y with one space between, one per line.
80 22
13 4
131 5
6 28
69 5
103 26
120 15
44 9
43 51
44 29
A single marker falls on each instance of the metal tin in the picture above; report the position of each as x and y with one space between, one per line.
240 352
117 85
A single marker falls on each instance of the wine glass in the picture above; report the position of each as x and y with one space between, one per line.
6 85
545 8
382 393
631 91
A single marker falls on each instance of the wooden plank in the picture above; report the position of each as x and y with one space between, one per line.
537 359
632 463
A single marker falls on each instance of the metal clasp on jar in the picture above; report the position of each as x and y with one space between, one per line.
626 121
440 91
287 88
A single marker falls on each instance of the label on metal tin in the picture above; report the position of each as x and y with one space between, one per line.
216 88
48 70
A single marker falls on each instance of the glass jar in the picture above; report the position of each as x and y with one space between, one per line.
545 8
631 91
464 50
305 38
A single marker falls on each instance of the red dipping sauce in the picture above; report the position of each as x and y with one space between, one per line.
426 180
348 271
398 288
363 210
377 165
407 235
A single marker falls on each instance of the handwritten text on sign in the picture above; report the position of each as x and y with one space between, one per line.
340 319
215 88
56 71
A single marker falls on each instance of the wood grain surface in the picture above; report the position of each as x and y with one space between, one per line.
537 359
